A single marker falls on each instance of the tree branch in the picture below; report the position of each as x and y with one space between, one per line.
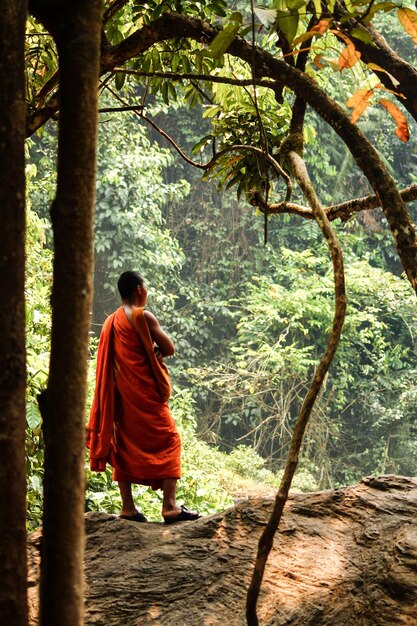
267 537
113 9
244 82
342 211
123 108
173 143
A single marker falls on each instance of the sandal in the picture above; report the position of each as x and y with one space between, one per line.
137 517
184 516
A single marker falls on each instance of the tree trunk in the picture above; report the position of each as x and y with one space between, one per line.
342 557
76 28
13 602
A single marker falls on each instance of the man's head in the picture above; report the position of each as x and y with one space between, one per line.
128 283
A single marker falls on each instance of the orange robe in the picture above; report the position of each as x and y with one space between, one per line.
130 426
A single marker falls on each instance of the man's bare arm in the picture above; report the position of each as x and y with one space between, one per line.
159 336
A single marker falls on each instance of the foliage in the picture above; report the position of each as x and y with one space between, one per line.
38 284
249 322
129 225
245 462
281 332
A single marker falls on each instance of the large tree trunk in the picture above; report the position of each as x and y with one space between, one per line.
76 28
341 557
13 604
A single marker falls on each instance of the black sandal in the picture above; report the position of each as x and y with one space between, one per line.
137 517
185 516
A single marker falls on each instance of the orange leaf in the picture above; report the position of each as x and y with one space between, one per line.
321 26
350 55
320 61
408 19
402 131
319 29
317 61
359 101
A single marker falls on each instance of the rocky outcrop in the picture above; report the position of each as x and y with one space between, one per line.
342 557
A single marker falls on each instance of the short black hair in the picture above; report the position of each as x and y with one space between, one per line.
127 283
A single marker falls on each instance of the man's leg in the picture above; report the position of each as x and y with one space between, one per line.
169 502
128 506
171 512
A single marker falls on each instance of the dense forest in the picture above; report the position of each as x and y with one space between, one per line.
257 166
249 318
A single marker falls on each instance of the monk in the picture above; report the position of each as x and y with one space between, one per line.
130 424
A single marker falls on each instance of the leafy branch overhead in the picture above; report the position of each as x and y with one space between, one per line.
296 45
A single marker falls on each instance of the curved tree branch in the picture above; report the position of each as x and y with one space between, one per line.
244 82
267 537
173 143
245 148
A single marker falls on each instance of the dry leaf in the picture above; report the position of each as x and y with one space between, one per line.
359 101
350 56
319 29
321 26
408 19
402 131
317 61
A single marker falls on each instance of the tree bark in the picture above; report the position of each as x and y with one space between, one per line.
13 601
76 26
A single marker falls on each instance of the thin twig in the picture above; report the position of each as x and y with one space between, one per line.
240 82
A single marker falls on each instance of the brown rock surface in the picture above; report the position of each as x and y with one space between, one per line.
342 558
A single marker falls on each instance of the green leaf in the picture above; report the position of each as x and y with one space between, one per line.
361 34
120 81
221 43
317 8
164 92
381 6
288 24
175 62
200 145
172 91
186 64
294 5
33 416
266 16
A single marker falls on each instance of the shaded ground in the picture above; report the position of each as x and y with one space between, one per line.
343 557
